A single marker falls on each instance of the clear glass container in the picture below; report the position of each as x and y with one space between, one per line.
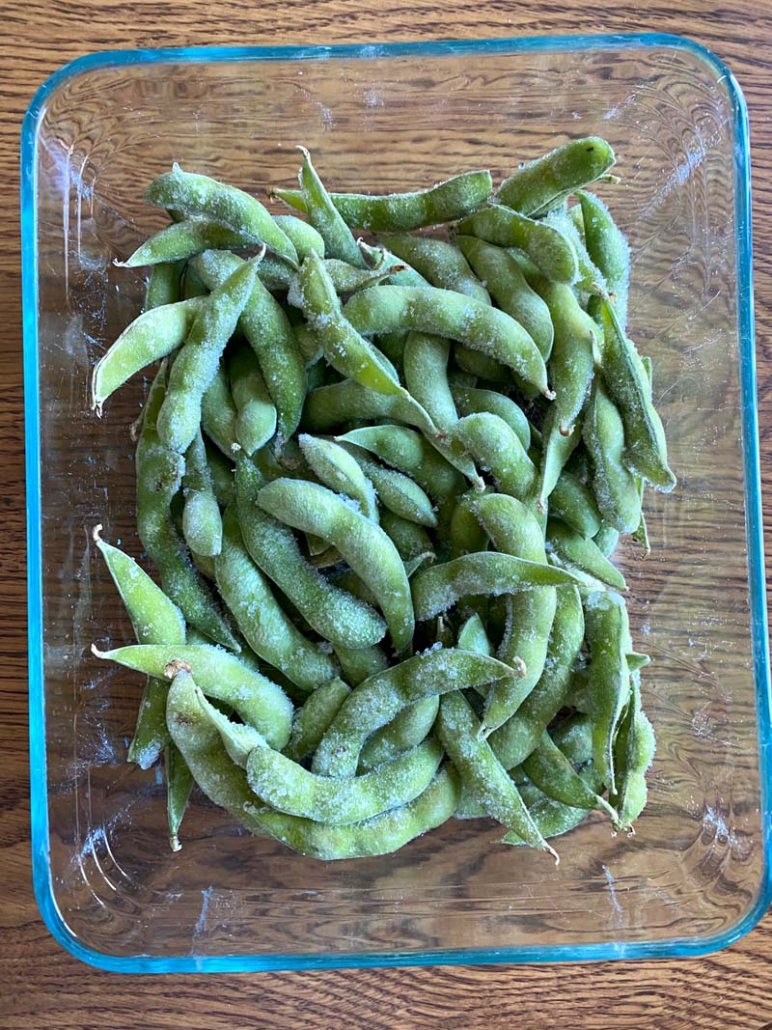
695 875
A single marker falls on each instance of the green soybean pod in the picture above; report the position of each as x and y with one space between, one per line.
199 196
201 521
608 249
551 771
185 239
339 470
540 184
179 784
472 636
606 540
196 364
155 619
464 530
481 773
324 217
608 639
256 420
289 788
349 353
404 212
268 330
376 701
302 235
379 257
505 282
407 730
441 264
258 701
438 588
380 835
239 739
495 446
163 284
411 540
313 719
578 553
470 400
478 365
219 414
359 664
543 244
347 279
575 504
395 491
149 338
159 477
264 624
634 750
517 738
614 486
629 386
221 473
452 315
332 613
363 544
514 530
556 450
426 377
410 453
330 406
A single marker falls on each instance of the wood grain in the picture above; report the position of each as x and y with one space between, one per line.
41 985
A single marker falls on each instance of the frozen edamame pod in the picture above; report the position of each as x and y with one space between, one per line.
542 183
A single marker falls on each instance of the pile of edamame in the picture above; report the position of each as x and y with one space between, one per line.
380 480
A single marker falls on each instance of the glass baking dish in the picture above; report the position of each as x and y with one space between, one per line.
380 117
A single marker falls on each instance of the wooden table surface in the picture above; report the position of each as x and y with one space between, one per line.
41 986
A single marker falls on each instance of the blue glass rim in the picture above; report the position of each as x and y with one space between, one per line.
752 482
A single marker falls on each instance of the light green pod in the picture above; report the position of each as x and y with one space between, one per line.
441 264
614 486
163 284
149 338
608 639
258 701
339 470
156 620
449 314
411 540
404 212
185 239
289 788
426 377
473 636
313 719
304 237
575 504
331 406
482 775
464 530
495 447
349 353
264 624
608 248
396 492
378 257
179 784
219 414
198 196
438 588
407 730
256 420
517 738
268 330
629 386
334 614
634 750
239 738
505 282
410 453
376 701
362 663
159 478
196 364
338 239
575 552
606 540
543 244
470 400
221 472
363 544
201 521
541 184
